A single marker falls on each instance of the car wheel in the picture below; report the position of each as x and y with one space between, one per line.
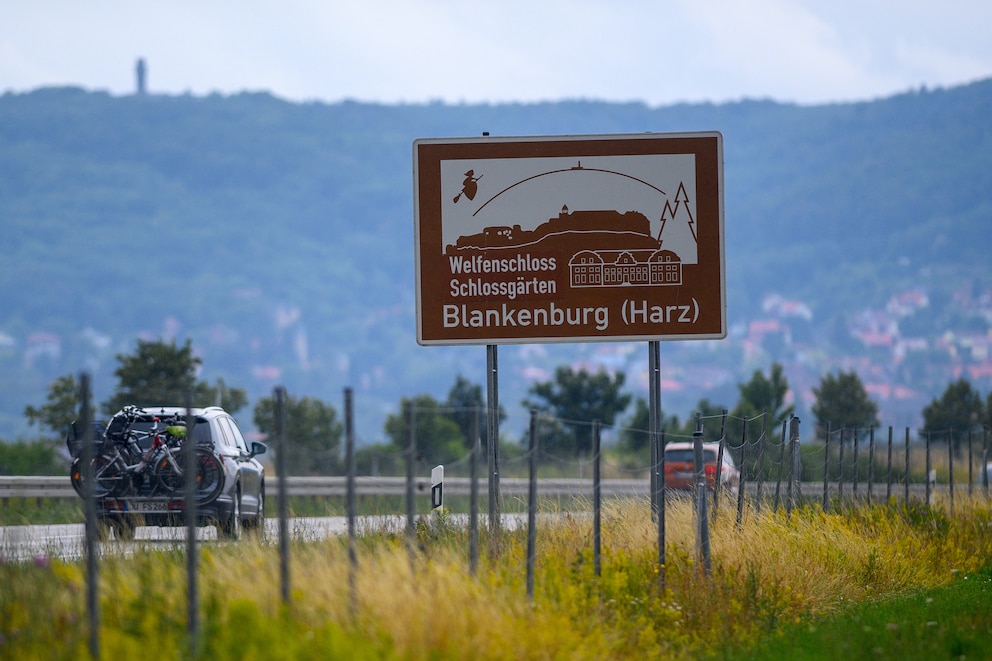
231 529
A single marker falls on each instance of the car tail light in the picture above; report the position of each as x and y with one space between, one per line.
176 506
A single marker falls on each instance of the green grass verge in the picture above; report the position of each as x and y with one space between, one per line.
40 511
870 582
950 622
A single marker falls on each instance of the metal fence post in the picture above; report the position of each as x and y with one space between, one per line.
349 458
888 470
532 506
192 594
840 468
760 463
929 487
854 485
781 466
795 465
826 469
411 457
280 420
906 475
702 520
971 463
950 465
659 497
871 461
596 502
743 480
718 485
89 505
985 460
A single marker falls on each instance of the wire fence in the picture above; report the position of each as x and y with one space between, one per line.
760 462
871 464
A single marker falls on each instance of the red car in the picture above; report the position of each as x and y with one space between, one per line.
680 467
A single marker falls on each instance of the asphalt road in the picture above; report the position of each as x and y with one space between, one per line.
68 541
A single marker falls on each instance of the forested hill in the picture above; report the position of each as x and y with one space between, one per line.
279 237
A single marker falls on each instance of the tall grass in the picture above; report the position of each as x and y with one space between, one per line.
768 574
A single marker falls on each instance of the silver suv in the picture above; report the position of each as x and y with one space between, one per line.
138 471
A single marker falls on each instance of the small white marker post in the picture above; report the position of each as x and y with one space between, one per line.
437 487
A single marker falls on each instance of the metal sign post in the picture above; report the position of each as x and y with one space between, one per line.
492 435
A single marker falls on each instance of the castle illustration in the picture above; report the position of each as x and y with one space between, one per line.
608 248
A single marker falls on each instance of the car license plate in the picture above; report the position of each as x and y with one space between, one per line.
149 506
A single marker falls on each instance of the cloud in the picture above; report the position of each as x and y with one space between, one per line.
515 50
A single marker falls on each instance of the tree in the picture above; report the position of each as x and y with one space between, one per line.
843 403
62 406
438 438
635 435
763 393
160 373
462 399
313 434
958 410
706 409
577 399
759 395
31 458
229 399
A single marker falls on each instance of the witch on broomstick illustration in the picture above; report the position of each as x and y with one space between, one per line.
470 186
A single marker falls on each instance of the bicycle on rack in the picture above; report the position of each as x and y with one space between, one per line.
149 462
170 465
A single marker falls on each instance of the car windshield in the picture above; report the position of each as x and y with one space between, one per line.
686 456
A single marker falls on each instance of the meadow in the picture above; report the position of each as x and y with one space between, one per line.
886 580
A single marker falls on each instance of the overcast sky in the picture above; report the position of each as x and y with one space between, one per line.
391 51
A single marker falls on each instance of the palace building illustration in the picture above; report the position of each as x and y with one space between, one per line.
618 268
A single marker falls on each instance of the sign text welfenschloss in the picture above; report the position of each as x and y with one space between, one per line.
569 238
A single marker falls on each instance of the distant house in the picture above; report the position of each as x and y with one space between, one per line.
907 302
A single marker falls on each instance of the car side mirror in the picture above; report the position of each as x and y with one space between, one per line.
258 448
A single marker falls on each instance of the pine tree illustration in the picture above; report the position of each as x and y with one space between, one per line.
678 227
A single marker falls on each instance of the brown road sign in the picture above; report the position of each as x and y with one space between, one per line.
569 238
